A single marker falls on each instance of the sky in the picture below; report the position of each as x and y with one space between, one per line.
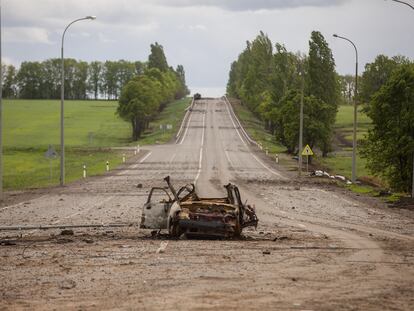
205 36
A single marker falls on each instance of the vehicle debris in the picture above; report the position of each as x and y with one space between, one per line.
162 248
183 212
67 232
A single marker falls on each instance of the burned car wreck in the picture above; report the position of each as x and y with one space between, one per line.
184 212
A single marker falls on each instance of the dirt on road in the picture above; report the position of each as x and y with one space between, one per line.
316 247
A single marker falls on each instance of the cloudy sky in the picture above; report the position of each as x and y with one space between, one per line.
203 35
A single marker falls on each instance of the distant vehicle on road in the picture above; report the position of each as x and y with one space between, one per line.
197 96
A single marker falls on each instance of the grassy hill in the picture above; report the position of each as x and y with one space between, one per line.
91 128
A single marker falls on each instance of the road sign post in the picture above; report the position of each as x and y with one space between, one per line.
307 151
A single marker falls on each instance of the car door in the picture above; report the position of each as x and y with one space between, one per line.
155 211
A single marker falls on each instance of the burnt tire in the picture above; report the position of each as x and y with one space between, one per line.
175 230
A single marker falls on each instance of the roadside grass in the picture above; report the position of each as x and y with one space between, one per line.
28 168
345 120
342 165
91 129
339 162
172 115
255 129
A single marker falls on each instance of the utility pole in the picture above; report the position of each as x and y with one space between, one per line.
301 122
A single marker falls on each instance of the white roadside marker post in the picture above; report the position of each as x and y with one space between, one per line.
107 166
277 158
84 171
123 158
138 150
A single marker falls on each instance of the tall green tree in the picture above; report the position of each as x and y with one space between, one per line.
52 78
30 80
138 103
322 81
182 89
157 58
389 147
377 74
79 83
258 76
9 86
314 112
347 88
94 78
125 72
109 85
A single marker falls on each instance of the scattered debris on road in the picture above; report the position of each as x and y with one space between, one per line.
162 248
319 173
67 232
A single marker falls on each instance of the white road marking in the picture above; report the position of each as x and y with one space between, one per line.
146 157
228 158
172 158
186 129
234 125
123 172
266 167
201 151
257 159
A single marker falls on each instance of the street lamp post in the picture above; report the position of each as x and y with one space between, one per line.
354 142
62 102
301 122
402 2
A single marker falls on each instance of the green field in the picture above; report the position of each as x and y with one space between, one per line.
91 128
345 121
340 161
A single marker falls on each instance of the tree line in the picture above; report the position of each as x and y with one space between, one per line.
269 80
387 94
146 94
83 80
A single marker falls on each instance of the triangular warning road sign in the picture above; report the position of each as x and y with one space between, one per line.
307 151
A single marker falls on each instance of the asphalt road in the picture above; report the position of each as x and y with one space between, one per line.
316 247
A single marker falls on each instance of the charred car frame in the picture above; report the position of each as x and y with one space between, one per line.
184 212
